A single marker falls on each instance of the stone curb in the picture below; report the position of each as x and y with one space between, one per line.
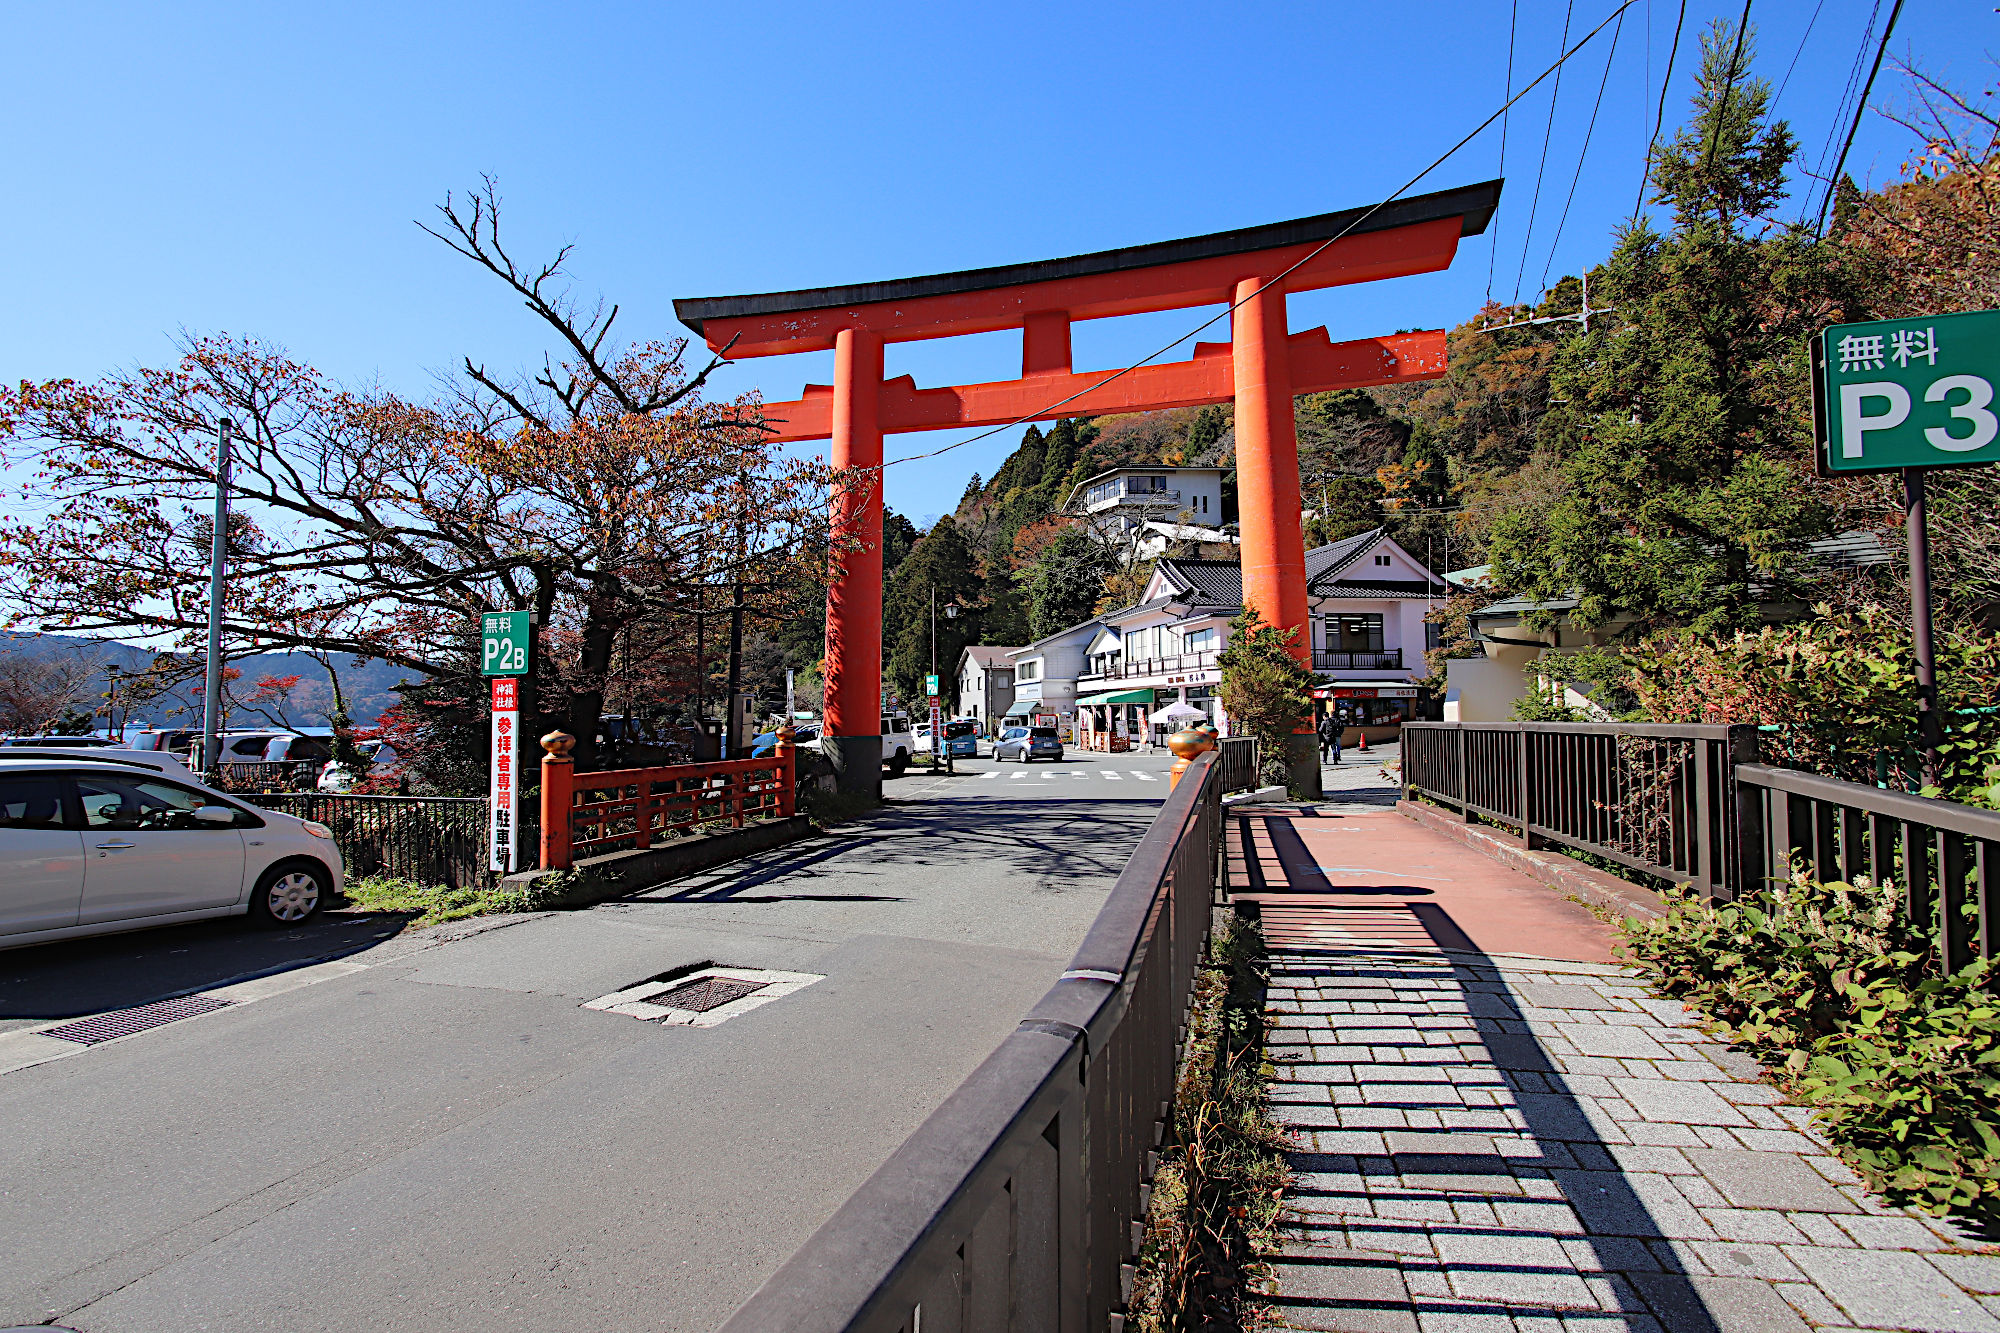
619 874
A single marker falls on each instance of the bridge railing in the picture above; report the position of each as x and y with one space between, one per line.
1656 797
1941 854
627 808
1016 1205
1238 762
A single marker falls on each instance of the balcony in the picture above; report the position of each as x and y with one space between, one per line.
1347 659
1177 665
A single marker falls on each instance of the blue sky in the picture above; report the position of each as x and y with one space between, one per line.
257 169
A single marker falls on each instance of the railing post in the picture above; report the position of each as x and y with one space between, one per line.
1746 806
1521 778
1464 777
558 794
788 779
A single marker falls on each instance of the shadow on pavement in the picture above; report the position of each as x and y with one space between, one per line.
89 976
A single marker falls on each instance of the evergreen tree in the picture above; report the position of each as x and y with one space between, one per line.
1684 440
899 537
943 561
1206 428
1065 581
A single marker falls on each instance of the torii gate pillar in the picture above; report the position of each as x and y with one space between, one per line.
854 594
1267 489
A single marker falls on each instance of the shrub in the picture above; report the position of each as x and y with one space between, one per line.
1265 690
1835 989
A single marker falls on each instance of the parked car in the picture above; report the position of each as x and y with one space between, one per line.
898 742
62 742
167 764
89 846
961 739
766 745
1026 743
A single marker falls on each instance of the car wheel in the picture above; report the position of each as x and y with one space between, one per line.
289 894
898 764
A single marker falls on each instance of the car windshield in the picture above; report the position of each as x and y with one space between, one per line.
957 729
1042 733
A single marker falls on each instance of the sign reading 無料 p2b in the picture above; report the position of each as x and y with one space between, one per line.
503 643
1897 393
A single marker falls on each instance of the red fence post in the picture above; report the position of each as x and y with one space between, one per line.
558 793
788 790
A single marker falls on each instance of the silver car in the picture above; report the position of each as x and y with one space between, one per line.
89 846
1026 743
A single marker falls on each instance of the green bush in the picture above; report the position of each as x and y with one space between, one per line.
1845 999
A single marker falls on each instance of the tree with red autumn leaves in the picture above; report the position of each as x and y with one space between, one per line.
603 491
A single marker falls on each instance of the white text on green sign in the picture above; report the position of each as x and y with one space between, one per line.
1899 393
503 643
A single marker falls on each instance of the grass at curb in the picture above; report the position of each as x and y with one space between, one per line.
433 903
1219 1190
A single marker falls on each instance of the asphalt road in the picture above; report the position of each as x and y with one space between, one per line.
429 1131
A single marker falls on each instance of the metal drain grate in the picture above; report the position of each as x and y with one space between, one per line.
124 1022
706 993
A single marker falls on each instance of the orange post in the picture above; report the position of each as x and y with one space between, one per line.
1267 486
854 596
558 793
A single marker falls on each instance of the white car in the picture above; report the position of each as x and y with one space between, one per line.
90 845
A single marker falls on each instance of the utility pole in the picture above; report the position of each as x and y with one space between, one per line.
218 559
111 673
1916 530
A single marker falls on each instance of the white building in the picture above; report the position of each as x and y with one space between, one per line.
1045 674
985 683
1367 599
1127 498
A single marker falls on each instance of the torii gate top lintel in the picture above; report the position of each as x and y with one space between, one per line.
1165 275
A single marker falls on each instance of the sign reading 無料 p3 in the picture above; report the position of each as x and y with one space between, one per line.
503 643
1900 393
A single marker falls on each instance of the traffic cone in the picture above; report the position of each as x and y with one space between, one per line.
1361 746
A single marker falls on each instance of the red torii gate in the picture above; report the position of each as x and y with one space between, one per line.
1262 368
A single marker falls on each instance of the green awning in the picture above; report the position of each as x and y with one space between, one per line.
1118 697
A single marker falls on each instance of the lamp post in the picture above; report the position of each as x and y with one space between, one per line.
112 671
938 741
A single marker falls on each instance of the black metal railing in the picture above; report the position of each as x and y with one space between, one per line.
1237 758
1943 855
430 839
1016 1205
1658 798
1172 664
250 775
1351 659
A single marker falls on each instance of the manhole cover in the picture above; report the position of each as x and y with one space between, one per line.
124 1022
706 993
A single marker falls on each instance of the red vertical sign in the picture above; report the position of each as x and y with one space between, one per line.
503 794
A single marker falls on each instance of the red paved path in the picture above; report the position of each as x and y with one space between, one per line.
1357 877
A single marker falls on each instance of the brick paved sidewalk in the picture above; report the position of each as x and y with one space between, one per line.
1492 1141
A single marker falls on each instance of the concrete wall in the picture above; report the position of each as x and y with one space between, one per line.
1480 689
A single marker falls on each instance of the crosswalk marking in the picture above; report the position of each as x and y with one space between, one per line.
1050 774
1111 773
993 774
1144 777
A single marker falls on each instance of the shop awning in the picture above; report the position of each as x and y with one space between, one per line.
1118 697
1022 707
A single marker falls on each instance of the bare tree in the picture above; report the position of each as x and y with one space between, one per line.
37 687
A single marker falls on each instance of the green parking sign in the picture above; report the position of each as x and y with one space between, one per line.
1901 393
503 643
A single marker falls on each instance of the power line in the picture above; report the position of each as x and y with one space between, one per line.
1796 54
1860 107
1728 87
1493 247
1318 250
1846 92
1660 116
1535 204
1582 153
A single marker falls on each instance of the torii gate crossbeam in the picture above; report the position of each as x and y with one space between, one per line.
1261 368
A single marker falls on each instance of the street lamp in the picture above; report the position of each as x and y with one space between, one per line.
112 671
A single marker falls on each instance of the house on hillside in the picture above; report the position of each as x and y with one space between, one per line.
1143 512
985 683
1366 596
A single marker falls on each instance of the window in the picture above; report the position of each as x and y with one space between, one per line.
30 801
1354 634
1381 559
1201 640
1201 504
140 803
1029 670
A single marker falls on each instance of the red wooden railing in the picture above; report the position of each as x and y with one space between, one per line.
615 809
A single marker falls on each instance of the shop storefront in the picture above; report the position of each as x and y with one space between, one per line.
1112 721
1372 709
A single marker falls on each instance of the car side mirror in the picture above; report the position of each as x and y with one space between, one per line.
214 814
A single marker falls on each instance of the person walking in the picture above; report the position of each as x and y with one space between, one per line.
1329 739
